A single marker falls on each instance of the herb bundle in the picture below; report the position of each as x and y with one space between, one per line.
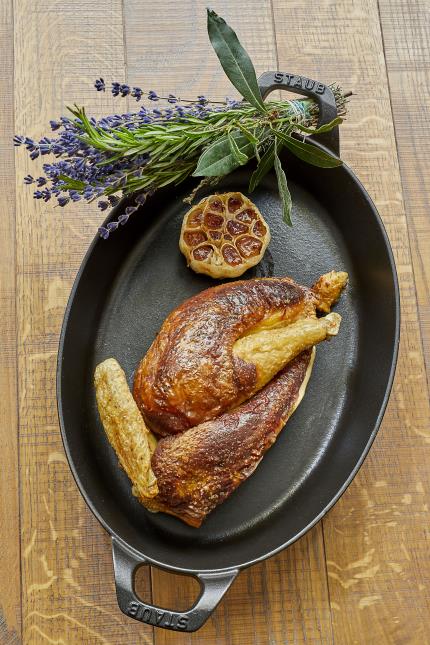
139 152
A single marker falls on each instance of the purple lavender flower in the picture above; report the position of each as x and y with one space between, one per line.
116 88
113 200
140 199
18 140
124 89
136 92
30 144
81 171
100 85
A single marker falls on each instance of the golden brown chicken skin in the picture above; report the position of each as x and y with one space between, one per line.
198 469
192 372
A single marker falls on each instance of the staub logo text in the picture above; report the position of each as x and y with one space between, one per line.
299 82
156 617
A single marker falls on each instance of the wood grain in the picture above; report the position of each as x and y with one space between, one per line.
377 536
364 575
406 35
68 590
298 611
10 594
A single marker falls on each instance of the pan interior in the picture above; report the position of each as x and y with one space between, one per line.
133 280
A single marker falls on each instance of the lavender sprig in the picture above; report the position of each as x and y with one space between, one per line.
122 89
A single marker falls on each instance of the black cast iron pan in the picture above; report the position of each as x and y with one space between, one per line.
125 288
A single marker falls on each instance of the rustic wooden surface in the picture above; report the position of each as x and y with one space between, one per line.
363 574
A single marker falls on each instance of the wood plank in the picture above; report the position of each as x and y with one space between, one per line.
10 594
68 591
406 35
285 599
377 538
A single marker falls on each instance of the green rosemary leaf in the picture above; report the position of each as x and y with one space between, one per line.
308 152
237 154
234 60
263 167
252 138
219 160
283 188
72 184
324 128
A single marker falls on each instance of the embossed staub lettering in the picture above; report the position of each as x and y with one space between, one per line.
132 608
299 81
154 616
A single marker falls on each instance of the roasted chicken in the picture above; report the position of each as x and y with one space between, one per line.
218 348
233 362
197 470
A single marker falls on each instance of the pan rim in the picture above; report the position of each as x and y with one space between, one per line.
243 565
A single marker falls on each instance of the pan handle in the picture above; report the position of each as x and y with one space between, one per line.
270 81
213 587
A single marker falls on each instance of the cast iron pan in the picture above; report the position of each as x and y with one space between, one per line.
125 288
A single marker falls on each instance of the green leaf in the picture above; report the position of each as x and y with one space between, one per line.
263 167
251 137
219 160
308 152
234 60
283 189
324 128
72 184
237 154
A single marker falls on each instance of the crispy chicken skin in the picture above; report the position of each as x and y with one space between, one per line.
198 469
125 427
189 474
195 370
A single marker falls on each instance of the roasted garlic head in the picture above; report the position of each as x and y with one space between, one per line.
224 235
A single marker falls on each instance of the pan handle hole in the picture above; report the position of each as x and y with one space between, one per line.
168 589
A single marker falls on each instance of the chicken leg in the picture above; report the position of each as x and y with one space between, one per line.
221 346
189 474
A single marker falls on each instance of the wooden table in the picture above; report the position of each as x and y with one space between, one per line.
363 574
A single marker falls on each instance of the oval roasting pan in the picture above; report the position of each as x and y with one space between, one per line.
125 288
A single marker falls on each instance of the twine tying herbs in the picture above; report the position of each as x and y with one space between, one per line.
139 152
